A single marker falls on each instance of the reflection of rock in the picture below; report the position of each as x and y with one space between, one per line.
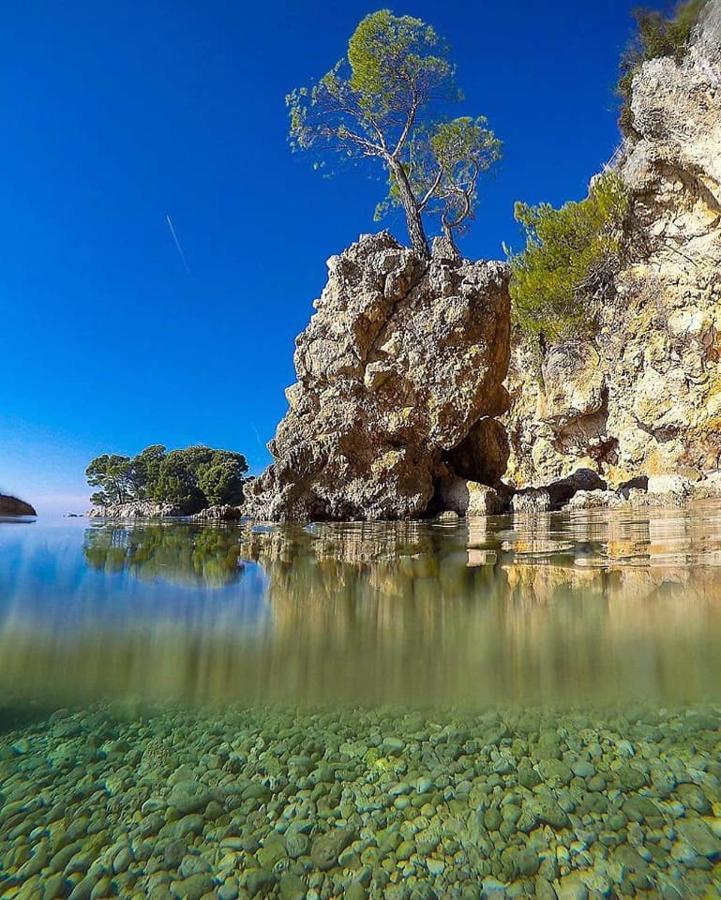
180 554
560 608
11 506
397 368
645 396
554 495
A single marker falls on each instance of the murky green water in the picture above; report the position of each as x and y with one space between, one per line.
498 708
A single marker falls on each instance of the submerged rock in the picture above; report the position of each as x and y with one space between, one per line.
400 372
11 506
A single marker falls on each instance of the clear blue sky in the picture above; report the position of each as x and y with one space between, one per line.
114 115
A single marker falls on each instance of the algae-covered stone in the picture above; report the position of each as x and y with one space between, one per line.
189 797
327 847
699 838
192 888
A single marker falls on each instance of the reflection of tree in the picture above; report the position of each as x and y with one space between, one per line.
182 554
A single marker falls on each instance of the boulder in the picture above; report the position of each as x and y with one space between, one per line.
469 498
555 495
670 484
400 372
597 499
11 506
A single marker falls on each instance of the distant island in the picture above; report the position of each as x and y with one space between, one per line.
11 506
158 482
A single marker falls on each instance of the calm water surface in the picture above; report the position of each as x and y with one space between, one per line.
504 707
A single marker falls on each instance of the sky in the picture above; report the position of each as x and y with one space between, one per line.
116 116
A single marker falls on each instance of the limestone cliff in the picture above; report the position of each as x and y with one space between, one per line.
644 397
399 373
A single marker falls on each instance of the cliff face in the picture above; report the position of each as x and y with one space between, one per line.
399 373
644 397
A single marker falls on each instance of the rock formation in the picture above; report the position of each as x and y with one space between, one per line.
11 506
138 509
644 397
400 372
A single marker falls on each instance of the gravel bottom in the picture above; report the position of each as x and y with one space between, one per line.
361 803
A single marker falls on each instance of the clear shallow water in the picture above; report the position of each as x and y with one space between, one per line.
498 708
558 609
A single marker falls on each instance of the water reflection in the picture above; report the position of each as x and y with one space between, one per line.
179 554
599 605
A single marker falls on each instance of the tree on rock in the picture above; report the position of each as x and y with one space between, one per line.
387 99
113 474
192 479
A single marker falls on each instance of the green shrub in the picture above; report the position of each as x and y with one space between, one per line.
656 35
571 254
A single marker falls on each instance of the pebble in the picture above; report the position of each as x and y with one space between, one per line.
249 802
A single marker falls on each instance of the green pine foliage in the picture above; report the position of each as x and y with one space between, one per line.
657 35
193 478
389 100
571 254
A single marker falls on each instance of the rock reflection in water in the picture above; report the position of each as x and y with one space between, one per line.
561 608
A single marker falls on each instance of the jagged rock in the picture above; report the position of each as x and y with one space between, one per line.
645 396
398 366
11 506
222 513
556 494
670 484
137 509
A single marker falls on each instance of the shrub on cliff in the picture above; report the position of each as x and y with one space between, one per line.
193 478
571 255
656 35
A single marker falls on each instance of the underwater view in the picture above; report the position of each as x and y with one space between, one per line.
360 450
502 707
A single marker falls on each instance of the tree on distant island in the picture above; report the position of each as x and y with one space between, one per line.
193 478
387 99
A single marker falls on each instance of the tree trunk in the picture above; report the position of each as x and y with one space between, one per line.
448 235
416 231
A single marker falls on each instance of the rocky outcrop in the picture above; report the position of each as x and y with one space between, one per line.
644 397
555 495
400 373
11 506
137 509
223 512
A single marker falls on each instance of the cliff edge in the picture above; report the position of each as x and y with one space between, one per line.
644 396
